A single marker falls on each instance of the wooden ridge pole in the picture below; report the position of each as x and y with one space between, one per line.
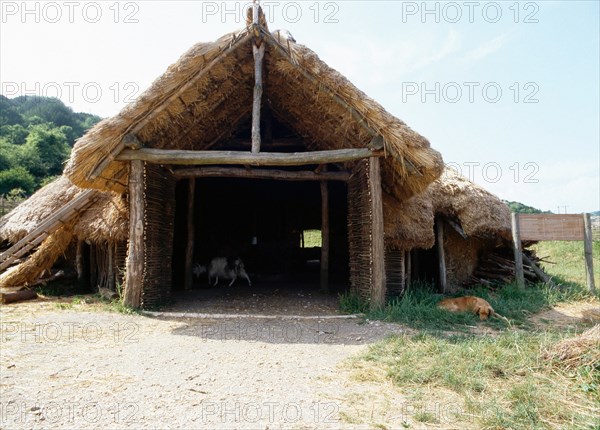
587 247
258 52
516 234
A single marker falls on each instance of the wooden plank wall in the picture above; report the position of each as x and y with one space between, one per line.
550 227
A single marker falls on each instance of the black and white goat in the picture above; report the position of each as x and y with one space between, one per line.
229 268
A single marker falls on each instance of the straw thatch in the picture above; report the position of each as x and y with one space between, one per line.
15 225
410 224
582 350
40 261
105 220
207 94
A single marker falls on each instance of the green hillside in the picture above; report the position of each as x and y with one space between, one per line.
36 137
520 208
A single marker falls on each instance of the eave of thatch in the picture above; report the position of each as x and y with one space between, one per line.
410 224
105 220
207 94
23 219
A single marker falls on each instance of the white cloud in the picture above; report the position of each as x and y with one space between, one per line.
487 48
450 45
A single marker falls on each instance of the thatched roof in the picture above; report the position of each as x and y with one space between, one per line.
105 220
410 224
207 94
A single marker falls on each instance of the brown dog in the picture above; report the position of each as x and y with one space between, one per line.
468 304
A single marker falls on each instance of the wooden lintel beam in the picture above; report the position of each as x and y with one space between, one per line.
246 173
164 156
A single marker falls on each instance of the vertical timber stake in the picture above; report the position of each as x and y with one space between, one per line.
516 234
587 246
377 242
439 230
189 247
324 237
258 51
408 269
135 255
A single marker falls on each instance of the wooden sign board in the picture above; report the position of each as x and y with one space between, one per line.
551 227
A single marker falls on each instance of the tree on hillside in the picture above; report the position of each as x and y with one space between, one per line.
16 178
521 208
36 136
44 152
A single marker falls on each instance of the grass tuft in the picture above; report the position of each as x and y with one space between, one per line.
502 380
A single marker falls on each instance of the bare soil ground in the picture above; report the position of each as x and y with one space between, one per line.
78 366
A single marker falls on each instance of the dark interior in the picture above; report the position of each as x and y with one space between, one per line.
262 222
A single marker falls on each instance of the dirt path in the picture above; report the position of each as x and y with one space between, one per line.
79 368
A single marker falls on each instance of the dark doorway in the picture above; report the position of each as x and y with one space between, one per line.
265 222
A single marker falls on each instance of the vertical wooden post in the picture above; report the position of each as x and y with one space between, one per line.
110 267
94 276
135 256
191 232
516 234
258 51
439 230
324 237
378 290
588 247
83 277
408 264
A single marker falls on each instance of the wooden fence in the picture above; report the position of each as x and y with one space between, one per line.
541 227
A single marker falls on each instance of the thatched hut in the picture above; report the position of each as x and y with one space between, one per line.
453 217
314 152
98 230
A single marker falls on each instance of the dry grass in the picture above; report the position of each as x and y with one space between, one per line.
500 382
578 351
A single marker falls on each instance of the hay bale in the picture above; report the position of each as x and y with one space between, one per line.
582 350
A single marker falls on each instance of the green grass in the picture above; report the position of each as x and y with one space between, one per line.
569 263
418 309
502 381
312 238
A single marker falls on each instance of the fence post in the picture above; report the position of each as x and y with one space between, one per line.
516 234
587 247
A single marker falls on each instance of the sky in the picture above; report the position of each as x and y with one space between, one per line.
508 92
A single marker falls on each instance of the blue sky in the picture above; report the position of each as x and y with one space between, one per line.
507 91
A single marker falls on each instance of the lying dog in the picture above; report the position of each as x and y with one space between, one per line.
472 304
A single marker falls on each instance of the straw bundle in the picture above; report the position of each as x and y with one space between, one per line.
41 260
582 350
